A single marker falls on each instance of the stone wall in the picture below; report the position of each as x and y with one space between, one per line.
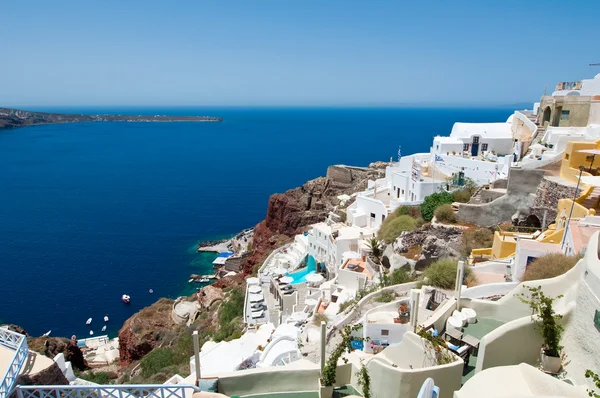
503 209
522 185
549 192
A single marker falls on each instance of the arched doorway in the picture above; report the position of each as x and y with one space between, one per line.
532 221
546 116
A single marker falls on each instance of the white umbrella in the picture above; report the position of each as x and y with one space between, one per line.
252 281
254 289
255 297
286 279
311 302
279 271
314 278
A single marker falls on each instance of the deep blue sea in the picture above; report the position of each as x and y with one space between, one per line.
90 211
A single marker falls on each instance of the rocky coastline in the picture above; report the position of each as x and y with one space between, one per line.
14 118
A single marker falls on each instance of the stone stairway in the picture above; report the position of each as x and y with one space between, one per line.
591 202
476 198
302 294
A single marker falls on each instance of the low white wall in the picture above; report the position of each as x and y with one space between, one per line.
509 307
269 380
388 381
488 290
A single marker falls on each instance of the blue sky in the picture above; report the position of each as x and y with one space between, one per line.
309 52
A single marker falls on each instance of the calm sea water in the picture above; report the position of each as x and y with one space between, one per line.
91 211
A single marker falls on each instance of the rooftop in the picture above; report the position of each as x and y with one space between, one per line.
356 265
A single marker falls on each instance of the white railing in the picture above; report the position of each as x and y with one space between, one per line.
18 343
112 391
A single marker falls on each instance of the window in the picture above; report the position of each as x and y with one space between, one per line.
475 140
564 115
385 332
372 215
465 147
566 156
382 217
403 192
484 147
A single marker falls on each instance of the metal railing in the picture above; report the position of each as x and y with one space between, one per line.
18 343
112 391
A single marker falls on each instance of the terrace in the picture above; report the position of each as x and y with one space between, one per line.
357 265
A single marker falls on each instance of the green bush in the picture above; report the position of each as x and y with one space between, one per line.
445 214
549 266
230 314
419 222
434 201
385 297
462 196
442 274
392 229
98 377
400 276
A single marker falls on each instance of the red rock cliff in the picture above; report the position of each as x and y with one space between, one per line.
291 212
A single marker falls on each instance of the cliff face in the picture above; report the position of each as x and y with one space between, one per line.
291 212
145 330
52 346
46 377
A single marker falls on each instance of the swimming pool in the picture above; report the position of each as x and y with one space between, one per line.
300 276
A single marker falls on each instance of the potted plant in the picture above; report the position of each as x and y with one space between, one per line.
403 313
548 324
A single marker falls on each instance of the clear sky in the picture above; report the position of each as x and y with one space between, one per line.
284 52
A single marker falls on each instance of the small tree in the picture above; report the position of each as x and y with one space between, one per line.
548 322
374 247
442 274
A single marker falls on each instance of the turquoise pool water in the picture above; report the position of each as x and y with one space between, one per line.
300 276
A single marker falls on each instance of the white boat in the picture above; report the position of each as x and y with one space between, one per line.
104 328
105 318
191 280
47 333
88 321
91 332
126 299
204 280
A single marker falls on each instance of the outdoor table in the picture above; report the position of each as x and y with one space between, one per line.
473 342
454 333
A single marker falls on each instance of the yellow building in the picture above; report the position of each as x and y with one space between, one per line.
574 163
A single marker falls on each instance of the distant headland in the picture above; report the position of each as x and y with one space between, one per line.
13 118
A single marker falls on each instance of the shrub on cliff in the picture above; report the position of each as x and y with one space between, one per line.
442 274
445 214
401 275
434 201
230 314
413 211
391 229
549 266
476 239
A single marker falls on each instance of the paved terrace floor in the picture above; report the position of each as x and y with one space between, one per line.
478 330
34 364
